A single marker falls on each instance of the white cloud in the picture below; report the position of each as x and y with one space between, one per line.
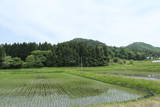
115 22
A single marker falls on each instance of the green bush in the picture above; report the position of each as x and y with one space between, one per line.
119 61
131 62
35 61
10 62
16 62
7 62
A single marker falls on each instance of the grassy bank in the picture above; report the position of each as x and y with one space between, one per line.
145 85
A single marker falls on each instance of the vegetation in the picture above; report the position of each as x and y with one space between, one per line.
89 42
85 85
10 62
67 83
2 55
149 50
145 85
71 53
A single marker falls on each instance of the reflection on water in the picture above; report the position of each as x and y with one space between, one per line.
148 77
155 77
56 100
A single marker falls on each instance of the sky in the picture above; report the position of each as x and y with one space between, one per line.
114 22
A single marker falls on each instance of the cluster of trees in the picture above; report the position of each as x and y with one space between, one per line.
125 53
71 53
149 50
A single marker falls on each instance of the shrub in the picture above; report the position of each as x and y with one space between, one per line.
131 62
7 62
35 61
10 62
118 61
16 62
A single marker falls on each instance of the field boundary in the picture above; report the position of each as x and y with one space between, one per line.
151 87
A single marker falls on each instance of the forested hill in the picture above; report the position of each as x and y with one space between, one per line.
70 53
88 42
145 48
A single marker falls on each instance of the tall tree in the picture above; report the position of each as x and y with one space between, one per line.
2 55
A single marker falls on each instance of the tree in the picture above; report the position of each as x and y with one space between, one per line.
71 53
35 61
39 58
16 62
10 62
51 59
66 55
45 57
7 62
30 61
21 50
2 55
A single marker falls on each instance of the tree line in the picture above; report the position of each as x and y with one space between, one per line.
71 53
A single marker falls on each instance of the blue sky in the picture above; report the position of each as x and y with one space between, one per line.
114 22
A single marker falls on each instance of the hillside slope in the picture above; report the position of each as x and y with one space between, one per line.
89 42
145 48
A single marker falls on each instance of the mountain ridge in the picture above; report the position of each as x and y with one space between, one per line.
145 48
143 45
89 42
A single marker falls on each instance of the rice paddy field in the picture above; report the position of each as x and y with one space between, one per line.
109 86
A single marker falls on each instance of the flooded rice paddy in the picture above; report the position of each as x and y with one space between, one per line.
58 90
154 77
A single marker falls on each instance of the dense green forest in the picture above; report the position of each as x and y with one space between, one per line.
148 49
71 53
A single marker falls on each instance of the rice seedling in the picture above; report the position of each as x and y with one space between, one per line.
57 90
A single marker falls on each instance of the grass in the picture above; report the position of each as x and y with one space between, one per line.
145 85
139 67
